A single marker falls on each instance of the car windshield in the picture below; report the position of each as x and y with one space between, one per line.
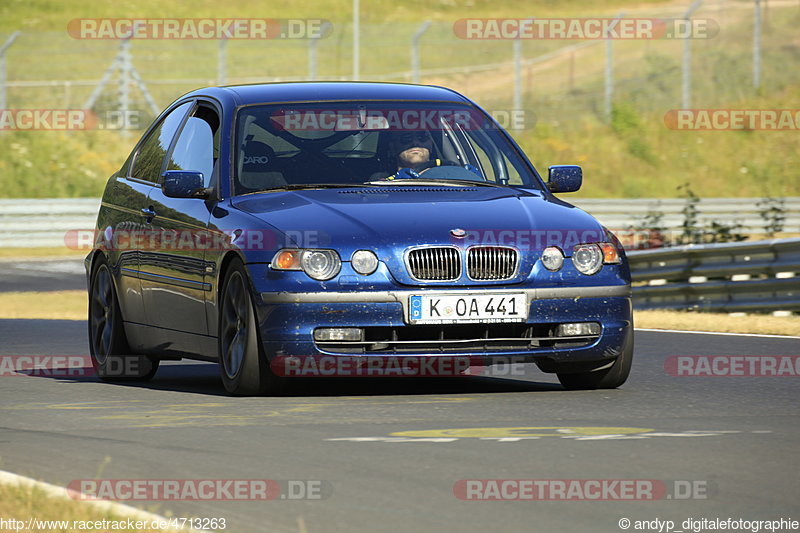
335 144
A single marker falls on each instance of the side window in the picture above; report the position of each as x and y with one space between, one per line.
475 143
148 161
494 170
195 147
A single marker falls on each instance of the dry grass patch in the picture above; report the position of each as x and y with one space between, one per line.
57 305
721 322
53 514
41 253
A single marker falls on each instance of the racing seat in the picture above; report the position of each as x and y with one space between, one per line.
258 167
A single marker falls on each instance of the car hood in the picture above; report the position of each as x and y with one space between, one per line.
388 220
403 216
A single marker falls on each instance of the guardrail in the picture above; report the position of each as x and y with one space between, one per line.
30 223
618 214
730 277
744 276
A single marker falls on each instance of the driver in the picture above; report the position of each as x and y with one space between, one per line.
411 151
412 148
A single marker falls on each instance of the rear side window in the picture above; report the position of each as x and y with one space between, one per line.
150 158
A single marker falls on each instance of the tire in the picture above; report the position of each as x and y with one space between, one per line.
608 378
111 356
243 365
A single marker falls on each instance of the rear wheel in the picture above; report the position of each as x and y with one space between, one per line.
608 378
243 365
111 357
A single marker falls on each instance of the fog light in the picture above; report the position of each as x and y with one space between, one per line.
364 262
553 258
578 329
338 334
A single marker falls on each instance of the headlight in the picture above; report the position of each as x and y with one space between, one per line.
364 262
552 258
321 264
318 264
587 258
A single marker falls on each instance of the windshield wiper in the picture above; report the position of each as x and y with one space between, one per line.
437 181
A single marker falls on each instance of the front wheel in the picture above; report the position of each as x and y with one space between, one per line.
111 357
608 378
243 364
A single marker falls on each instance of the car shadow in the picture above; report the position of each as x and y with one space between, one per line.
203 378
192 377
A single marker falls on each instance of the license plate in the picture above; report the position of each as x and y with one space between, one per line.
453 308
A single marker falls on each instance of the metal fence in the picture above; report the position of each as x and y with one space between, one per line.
30 223
731 277
748 215
560 78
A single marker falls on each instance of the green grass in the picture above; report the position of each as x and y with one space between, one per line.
637 156
58 164
634 154
48 15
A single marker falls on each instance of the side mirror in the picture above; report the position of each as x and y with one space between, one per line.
564 178
184 184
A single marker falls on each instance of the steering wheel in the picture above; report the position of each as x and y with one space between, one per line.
415 171
422 167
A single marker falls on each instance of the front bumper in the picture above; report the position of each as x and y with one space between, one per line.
288 321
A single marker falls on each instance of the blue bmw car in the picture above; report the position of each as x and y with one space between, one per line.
258 225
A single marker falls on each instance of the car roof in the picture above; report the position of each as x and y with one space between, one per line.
329 91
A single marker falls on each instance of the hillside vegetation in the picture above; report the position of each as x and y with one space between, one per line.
629 154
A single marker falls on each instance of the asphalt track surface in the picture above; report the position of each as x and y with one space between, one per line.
42 274
735 437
